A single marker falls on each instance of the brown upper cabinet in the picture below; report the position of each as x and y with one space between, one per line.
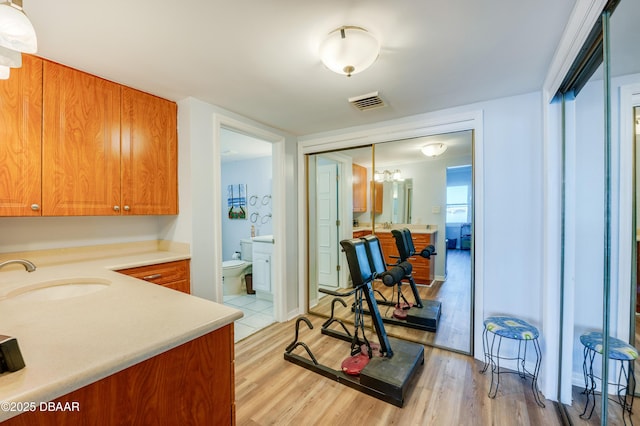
378 196
149 154
20 136
106 149
80 143
359 188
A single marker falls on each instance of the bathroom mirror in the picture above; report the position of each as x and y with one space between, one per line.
414 192
396 200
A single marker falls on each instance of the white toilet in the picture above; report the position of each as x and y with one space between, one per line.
233 271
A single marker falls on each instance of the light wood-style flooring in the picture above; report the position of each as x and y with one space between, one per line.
449 390
454 329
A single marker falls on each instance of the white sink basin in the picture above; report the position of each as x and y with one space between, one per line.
58 289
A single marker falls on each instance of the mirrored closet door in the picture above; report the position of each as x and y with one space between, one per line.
393 185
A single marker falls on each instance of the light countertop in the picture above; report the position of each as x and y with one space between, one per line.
417 230
69 343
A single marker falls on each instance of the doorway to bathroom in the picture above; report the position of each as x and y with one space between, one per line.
247 229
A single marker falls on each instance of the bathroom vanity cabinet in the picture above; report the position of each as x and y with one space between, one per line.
174 275
423 269
361 233
262 270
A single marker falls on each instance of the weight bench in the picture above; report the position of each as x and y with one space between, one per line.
384 370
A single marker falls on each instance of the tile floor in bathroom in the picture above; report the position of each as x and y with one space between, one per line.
258 314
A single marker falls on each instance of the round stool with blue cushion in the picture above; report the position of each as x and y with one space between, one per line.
618 351
495 329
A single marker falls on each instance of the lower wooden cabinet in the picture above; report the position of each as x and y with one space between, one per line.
174 275
192 384
423 269
360 234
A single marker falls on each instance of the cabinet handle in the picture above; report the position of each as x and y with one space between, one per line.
35 207
127 208
116 208
152 277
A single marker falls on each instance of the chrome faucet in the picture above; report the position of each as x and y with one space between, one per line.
28 265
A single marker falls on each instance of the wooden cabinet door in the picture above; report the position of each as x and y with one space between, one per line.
149 154
262 271
174 275
359 175
378 195
423 269
389 249
20 139
81 143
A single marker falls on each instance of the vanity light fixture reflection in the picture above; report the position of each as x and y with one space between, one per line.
388 176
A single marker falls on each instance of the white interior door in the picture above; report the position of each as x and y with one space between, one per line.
327 225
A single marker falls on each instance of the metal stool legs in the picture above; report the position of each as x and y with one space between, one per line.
491 349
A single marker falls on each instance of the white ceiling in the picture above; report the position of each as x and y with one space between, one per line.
259 58
395 153
236 146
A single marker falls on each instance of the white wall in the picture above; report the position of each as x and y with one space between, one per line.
509 251
513 195
196 124
39 233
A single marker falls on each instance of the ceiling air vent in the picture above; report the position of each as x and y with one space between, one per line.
367 102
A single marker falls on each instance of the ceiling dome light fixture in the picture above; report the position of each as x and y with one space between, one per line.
16 35
434 149
16 31
4 72
10 58
349 50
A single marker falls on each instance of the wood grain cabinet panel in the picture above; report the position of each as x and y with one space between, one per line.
174 275
74 144
81 143
20 140
360 234
359 176
423 269
149 154
192 384
378 196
